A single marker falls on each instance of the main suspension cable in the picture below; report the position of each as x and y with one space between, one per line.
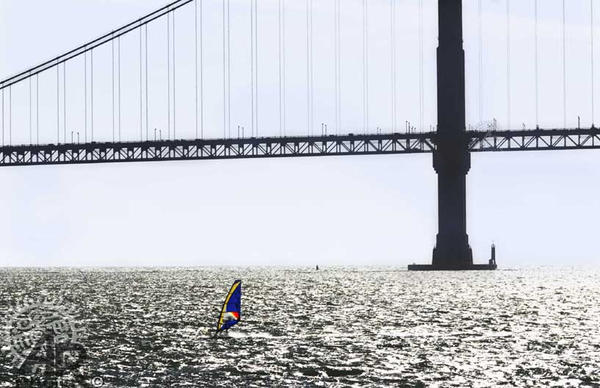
95 43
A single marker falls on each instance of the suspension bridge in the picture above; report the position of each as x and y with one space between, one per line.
115 119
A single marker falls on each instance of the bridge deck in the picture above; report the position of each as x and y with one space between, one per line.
268 147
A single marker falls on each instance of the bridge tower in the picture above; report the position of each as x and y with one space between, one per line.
452 159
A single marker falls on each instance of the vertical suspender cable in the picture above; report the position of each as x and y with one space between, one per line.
37 109
141 92
421 72
280 65
112 43
92 95
256 65
592 56
393 60
228 70
335 65
64 102
252 64
119 86
224 71
2 117
201 69
147 91
283 66
480 72
508 91
310 66
308 127
57 103
196 63
10 115
85 96
537 69
364 64
174 83
339 63
30 113
312 76
564 52
168 75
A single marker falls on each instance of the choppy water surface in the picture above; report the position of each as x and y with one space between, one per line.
331 327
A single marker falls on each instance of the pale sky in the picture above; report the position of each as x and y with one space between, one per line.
538 207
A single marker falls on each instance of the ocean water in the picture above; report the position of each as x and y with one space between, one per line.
334 327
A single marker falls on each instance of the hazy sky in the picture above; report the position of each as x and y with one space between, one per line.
538 207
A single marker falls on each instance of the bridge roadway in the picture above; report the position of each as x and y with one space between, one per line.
273 147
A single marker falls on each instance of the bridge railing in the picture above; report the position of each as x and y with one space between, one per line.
537 139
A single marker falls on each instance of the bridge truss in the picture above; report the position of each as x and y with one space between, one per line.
333 145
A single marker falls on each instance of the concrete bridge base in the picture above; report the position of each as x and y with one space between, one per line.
471 267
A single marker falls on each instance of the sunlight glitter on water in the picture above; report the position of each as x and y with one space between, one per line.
152 327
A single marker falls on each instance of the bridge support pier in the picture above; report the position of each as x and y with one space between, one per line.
451 159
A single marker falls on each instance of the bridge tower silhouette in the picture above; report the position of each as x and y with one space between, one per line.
451 159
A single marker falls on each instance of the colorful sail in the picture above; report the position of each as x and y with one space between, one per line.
231 313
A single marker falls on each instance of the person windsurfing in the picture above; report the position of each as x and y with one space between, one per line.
231 313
